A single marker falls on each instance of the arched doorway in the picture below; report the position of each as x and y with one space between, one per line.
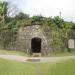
36 45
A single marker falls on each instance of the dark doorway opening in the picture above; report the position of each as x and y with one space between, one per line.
36 45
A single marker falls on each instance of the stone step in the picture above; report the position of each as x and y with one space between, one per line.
36 54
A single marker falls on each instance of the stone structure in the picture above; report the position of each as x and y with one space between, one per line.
36 39
71 44
27 33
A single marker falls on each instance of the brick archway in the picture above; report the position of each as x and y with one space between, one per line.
36 45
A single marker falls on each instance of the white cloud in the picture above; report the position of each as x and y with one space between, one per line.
48 7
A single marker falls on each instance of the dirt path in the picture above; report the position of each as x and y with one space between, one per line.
14 57
36 59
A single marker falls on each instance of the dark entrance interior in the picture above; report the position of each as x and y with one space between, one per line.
36 45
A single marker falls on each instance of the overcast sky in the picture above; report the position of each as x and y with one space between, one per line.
48 8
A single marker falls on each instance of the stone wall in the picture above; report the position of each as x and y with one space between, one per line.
25 34
22 39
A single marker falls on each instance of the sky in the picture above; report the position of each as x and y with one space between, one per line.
47 8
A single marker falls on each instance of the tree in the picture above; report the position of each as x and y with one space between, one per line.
69 25
37 19
50 21
58 21
22 16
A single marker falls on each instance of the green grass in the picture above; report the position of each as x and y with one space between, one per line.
15 68
51 54
14 52
9 67
60 53
64 68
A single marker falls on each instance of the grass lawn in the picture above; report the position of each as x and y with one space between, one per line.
9 67
13 52
64 53
52 54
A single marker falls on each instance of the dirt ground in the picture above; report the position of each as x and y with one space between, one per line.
35 59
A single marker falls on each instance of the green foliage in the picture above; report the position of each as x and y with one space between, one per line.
50 21
69 25
37 19
21 16
57 41
58 21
